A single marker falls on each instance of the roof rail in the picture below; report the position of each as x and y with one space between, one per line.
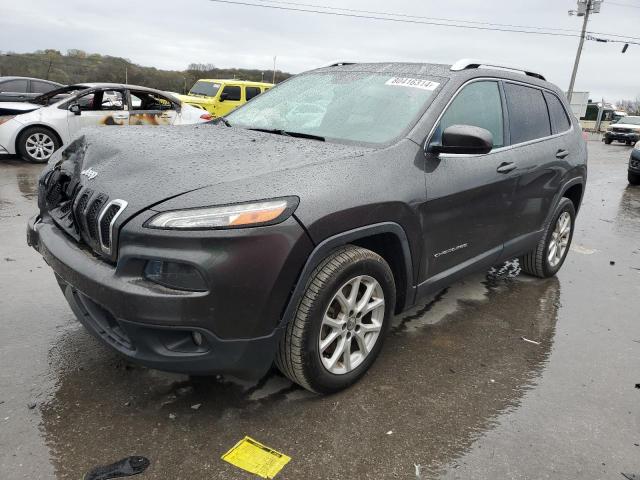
467 63
339 64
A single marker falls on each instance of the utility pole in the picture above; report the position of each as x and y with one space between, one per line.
274 70
585 8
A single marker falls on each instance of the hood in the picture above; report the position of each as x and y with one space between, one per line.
147 165
621 124
16 108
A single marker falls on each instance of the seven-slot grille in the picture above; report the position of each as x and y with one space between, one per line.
621 130
95 217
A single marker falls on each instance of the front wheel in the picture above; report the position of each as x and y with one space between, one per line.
549 255
340 322
634 178
37 144
607 141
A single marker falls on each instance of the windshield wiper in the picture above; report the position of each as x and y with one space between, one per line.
287 133
225 121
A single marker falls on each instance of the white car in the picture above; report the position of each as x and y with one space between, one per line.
36 129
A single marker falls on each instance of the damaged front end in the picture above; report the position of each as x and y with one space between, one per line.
83 213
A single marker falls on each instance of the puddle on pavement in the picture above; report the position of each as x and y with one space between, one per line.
448 369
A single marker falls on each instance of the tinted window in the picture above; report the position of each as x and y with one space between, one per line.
559 119
41 87
528 115
478 104
17 86
251 92
232 93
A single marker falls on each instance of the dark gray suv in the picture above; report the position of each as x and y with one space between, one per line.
295 228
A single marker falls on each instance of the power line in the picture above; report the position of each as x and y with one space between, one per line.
404 15
414 19
399 20
623 4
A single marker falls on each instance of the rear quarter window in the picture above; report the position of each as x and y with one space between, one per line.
559 119
528 114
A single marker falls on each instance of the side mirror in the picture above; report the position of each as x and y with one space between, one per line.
224 96
75 109
464 139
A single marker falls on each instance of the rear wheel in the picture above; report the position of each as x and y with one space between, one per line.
340 323
37 144
634 178
549 255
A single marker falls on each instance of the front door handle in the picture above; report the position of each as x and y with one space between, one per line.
506 167
562 153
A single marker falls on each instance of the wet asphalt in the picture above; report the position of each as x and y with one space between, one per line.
456 393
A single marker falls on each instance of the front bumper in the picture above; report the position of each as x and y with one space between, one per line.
154 325
634 161
622 137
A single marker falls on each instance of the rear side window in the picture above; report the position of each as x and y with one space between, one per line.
232 93
41 87
559 119
15 86
251 92
479 105
528 115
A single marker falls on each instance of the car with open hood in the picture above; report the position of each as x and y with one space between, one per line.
293 229
37 128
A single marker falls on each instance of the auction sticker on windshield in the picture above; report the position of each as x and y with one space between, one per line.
412 82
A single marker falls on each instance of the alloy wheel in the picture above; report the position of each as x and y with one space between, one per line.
40 146
351 324
559 239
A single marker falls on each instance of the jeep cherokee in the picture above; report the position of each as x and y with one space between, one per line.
296 227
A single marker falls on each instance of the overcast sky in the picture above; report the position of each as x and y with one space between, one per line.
172 34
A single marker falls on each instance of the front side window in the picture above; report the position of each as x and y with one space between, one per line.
232 93
528 115
14 86
101 100
364 107
479 105
208 89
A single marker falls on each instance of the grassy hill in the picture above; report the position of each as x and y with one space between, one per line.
78 66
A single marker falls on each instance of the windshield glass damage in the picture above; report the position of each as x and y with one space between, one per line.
363 107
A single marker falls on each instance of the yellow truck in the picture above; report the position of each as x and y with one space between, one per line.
219 97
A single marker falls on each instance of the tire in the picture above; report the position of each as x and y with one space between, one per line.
607 141
299 354
629 142
537 262
37 144
634 178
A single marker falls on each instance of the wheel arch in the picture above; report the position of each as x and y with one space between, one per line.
387 239
39 125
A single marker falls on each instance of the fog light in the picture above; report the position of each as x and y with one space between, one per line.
197 338
179 276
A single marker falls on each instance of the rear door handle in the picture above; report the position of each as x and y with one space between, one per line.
562 153
506 167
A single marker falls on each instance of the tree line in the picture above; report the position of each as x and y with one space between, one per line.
77 66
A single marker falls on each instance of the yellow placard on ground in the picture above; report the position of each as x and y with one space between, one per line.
256 458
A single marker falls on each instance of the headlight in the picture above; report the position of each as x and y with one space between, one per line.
241 215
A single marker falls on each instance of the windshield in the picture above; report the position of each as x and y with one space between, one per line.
208 89
58 94
353 106
630 120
